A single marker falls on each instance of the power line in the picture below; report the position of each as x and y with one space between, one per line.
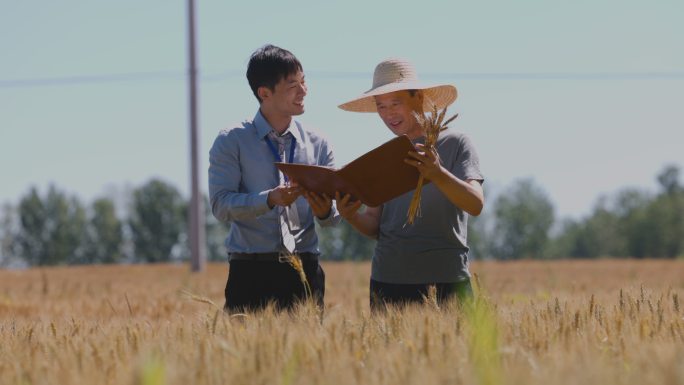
338 75
650 75
92 79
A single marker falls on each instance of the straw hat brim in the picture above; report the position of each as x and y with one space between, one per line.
442 95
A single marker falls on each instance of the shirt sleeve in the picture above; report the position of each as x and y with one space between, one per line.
227 203
327 159
467 163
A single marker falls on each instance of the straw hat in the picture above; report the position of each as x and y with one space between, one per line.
396 75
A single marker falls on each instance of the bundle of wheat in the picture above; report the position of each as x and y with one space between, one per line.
432 124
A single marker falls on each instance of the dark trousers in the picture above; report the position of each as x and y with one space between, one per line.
382 294
252 285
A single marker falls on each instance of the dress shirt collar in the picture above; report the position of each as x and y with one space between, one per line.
263 127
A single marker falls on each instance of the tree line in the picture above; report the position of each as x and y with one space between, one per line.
56 228
631 223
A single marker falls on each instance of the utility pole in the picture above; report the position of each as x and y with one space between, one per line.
197 234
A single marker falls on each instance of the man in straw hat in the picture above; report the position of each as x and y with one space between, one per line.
408 259
269 217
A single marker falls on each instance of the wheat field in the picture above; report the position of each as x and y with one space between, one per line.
566 322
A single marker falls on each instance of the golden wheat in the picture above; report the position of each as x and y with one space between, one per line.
432 124
562 322
296 263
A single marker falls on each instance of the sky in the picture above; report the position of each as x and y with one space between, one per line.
584 97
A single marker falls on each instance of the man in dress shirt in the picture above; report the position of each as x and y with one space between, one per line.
270 217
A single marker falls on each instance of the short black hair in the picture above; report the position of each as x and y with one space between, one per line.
268 65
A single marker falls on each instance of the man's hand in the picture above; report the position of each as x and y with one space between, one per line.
427 162
347 210
466 195
367 222
283 195
320 205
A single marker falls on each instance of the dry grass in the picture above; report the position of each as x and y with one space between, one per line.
605 322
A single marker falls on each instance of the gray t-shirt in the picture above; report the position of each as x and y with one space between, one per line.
434 249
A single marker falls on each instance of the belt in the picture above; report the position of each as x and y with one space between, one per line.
268 256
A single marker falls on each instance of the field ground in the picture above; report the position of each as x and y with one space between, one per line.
562 322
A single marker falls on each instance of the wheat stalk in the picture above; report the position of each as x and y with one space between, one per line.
197 298
296 263
431 297
432 125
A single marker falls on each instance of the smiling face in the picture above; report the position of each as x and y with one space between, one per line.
396 111
287 97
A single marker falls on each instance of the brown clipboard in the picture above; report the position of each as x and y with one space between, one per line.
374 178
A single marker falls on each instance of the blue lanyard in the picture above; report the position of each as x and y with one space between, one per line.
275 153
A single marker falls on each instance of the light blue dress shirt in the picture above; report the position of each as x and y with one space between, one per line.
241 174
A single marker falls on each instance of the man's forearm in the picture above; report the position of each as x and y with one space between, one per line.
227 206
469 197
366 224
